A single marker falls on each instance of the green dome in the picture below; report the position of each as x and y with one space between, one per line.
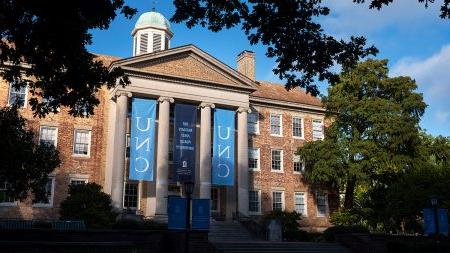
152 19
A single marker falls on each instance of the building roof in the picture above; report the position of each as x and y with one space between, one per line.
277 91
266 90
152 19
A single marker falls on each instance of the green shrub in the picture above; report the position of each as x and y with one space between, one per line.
87 202
329 233
289 223
351 217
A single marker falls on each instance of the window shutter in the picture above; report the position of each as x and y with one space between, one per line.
156 42
144 43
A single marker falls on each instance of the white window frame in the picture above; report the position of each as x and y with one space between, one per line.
305 202
302 128
51 197
259 202
282 199
258 168
323 129
25 102
281 124
293 164
56 133
326 204
257 123
75 139
281 160
138 194
13 203
218 199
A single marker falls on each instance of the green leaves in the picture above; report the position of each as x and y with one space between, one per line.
53 46
304 53
25 164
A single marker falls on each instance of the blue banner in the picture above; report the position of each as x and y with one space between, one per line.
176 210
223 148
200 214
428 220
142 144
443 221
184 142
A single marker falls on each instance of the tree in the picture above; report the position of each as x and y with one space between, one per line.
374 135
25 165
89 203
291 31
44 46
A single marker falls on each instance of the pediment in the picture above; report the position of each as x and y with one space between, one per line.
189 63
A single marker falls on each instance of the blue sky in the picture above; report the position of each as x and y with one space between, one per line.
414 39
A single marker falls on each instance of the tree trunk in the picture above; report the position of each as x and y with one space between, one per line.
349 194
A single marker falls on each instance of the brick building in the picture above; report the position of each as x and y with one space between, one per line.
271 124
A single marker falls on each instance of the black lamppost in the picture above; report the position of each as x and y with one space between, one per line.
434 204
189 189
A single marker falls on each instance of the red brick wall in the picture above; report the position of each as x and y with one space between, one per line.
92 166
266 180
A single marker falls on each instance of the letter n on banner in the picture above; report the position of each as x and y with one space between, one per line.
142 145
223 148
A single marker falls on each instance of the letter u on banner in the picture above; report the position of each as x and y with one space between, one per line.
142 144
223 148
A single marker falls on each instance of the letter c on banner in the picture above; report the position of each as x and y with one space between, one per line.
146 164
227 169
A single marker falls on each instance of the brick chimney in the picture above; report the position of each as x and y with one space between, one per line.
246 64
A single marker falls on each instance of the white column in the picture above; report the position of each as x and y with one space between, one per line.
119 149
205 150
110 146
162 155
242 137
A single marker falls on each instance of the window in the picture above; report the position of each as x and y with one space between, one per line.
48 135
82 142
130 199
214 199
6 197
300 203
156 42
254 204
49 190
297 127
78 181
253 158
253 125
277 200
143 43
277 160
299 166
317 125
275 124
322 204
17 96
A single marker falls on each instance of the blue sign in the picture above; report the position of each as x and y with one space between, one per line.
200 214
430 222
223 148
184 142
176 210
142 144
443 221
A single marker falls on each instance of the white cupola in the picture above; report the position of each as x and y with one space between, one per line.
151 33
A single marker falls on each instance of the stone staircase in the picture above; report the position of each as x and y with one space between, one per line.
232 237
229 231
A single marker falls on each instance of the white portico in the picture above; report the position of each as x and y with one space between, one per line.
179 75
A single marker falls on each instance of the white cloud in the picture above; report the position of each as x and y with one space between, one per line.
433 78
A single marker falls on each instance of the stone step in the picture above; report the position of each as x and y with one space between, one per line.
288 247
